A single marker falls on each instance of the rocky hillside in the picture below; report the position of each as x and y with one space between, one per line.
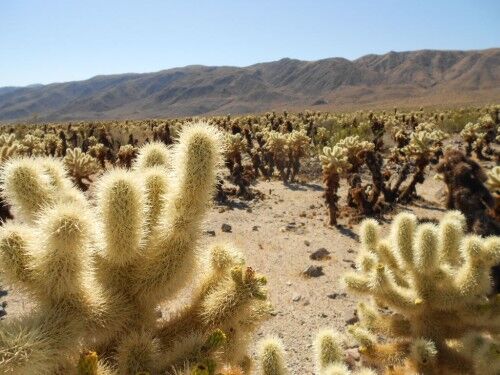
397 78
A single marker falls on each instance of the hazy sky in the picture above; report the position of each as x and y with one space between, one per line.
43 41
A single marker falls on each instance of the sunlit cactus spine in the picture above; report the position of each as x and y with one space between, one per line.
435 280
98 271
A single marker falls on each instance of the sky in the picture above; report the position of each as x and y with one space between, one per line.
45 41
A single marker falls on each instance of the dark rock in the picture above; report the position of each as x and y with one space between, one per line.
210 233
320 254
313 271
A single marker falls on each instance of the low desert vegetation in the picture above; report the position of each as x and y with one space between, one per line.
102 225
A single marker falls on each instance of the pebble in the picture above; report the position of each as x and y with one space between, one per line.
255 228
210 233
307 243
226 228
296 298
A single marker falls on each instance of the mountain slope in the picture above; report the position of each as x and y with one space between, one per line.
397 78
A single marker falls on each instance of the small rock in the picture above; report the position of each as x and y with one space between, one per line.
255 228
3 293
312 207
350 251
4 304
320 254
313 271
307 243
159 314
249 210
323 315
336 295
222 210
3 313
303 214
226 228
296 298
210 233
288 283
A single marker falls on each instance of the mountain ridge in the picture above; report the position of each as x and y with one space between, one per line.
424 77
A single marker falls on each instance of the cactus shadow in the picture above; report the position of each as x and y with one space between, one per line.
234 204
347 232
428 206
297 186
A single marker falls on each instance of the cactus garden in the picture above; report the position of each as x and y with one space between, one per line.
279 243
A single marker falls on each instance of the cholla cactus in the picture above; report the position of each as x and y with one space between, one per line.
99 271
81 167
32 146
99 151
9 147
353 146
298 143
234 146
478 136
126 155
328 356
425 143
276 144
151 155
436 281
334 164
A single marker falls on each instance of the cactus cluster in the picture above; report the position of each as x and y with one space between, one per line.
99 271
431 310
329 358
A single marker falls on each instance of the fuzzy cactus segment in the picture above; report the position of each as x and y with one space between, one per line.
436 281
99 270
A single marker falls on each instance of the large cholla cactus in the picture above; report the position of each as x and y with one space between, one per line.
81 167
234 146
424 144
276 144
478 136
334 164
436 281
298 143
33 145
328 356
353 146
98 272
